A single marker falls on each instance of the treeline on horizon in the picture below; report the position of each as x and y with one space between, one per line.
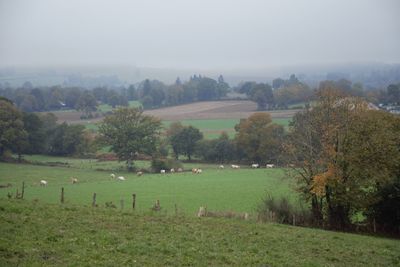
281 94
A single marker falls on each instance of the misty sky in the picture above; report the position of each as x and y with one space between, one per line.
207 33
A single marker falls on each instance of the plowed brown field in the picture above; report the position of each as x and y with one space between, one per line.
198 110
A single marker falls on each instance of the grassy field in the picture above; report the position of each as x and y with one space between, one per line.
35 234
223 190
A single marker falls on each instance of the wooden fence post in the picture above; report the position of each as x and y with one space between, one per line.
62 195
94 200
23 190
133 201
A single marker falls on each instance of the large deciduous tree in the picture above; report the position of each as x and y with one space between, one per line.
261 93
183 139
260 138
13 137
87 103
345 153
173 138
33 125
67 140
129 133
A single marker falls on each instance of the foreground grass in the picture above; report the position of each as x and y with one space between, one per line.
36 234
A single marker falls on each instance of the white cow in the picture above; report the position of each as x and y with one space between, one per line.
270 165
139 173
255 166
172 170
221 167
121 178
162 171
43 183
112 175
235 166
199 171
74 180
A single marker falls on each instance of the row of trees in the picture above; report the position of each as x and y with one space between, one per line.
156 94
29 133
284 93
30 99
151 93
130 134
280 95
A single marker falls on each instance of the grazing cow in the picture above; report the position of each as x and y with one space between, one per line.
235 166
180 170
199 171
74 180
270 165
162 171
194 170
139 173
43 183
221 167
255 166
172 170
121 178
112 176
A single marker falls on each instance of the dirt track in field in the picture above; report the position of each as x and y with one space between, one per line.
199 110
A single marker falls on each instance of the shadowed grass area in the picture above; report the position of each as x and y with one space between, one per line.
35 234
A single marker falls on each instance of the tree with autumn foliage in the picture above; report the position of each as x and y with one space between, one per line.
344 153
260 139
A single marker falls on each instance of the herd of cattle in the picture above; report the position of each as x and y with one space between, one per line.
140 173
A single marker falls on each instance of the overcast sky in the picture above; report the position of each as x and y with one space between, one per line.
204 33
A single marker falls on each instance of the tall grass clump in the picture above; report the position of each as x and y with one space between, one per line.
282 211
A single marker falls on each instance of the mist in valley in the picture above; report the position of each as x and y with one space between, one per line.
244 40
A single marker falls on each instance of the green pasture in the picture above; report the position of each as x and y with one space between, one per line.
38 234
223 190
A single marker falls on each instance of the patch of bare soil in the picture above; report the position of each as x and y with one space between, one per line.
214 110
198 110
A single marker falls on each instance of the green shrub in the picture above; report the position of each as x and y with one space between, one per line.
282 211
